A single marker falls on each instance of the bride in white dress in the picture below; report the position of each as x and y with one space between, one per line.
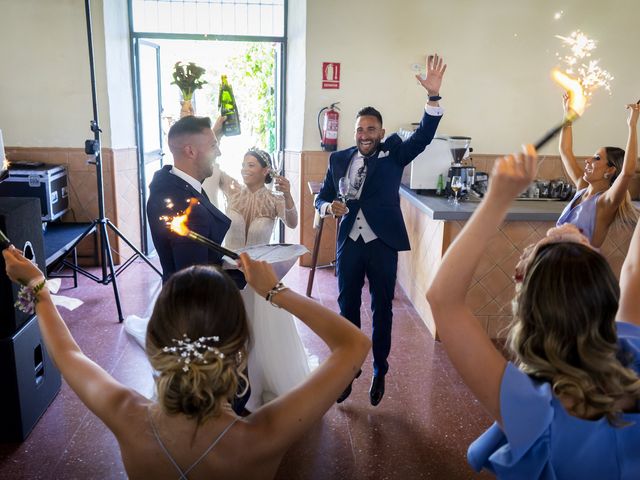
277 358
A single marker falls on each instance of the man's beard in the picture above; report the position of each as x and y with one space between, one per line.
373 149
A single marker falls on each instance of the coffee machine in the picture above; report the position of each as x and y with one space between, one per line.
459 147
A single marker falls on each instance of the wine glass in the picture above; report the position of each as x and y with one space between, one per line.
276 170
343 189
456 185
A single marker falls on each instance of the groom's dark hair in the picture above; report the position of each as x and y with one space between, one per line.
370 112
189 125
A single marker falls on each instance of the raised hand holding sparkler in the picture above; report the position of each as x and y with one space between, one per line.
580 80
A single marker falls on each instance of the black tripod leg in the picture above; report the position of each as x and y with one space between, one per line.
106 251
132 246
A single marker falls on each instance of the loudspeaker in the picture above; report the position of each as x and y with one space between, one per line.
20 221
29 382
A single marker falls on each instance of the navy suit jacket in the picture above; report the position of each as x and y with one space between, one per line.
380 197
177 252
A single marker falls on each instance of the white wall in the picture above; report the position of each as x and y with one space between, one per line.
45 89
497 88
118 74
296 74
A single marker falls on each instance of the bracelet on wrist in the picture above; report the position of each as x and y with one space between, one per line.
273 292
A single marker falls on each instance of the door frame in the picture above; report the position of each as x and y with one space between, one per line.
141 161
281 82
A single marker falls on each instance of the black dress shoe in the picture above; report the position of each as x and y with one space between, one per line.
347 391
377 389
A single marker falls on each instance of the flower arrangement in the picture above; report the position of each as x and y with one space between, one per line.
188 78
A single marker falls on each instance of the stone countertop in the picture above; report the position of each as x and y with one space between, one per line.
439 208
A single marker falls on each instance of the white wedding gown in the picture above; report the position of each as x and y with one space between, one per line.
277 357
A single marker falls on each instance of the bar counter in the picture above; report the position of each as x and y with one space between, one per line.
433 223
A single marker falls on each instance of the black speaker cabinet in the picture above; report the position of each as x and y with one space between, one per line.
29 382
20 221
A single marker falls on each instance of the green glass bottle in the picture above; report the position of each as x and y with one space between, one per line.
440 185
228 108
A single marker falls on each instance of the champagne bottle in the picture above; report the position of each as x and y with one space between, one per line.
228 108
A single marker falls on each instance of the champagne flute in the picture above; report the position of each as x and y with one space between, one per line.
456 185
343 189
276 170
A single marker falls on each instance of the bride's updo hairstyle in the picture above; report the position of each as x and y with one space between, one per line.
264 159
196 341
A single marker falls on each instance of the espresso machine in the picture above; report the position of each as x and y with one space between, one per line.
460 150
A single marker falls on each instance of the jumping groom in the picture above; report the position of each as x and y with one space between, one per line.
372 229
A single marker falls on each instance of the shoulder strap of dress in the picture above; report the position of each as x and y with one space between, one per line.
183 475
206 452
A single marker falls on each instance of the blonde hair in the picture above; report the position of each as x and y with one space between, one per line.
199 301
564 332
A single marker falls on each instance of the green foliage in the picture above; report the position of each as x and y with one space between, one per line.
188 78
253 71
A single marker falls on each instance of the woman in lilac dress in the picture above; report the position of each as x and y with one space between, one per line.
602 184
568 405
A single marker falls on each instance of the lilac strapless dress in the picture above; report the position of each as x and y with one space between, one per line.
582 216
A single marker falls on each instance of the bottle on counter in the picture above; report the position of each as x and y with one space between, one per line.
228 108
440 185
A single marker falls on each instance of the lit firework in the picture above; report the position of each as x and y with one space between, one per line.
178 224
579 64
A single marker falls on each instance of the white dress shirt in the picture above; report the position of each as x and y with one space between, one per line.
360 225
187 178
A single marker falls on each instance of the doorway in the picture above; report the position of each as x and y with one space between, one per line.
254 71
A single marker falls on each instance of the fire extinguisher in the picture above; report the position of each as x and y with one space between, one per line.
329 129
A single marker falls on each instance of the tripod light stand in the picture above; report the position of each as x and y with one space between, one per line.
93 147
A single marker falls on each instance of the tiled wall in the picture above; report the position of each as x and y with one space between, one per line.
303 167
121 199
492 288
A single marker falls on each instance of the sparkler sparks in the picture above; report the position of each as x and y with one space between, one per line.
178 224
578 63
581 78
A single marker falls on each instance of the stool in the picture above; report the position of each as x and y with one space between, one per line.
318 224
314 255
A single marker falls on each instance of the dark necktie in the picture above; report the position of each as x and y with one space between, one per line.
361 173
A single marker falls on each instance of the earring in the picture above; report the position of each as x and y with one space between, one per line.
606 175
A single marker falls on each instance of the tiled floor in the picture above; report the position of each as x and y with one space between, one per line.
420 430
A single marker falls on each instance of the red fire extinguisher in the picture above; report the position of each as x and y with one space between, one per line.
329 129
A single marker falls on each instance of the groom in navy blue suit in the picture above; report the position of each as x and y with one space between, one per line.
194 146
372 229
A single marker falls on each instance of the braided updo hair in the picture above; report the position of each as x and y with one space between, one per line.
264 159
199 301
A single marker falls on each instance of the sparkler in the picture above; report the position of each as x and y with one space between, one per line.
580 80
577 105
178 224
4 241
589 73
